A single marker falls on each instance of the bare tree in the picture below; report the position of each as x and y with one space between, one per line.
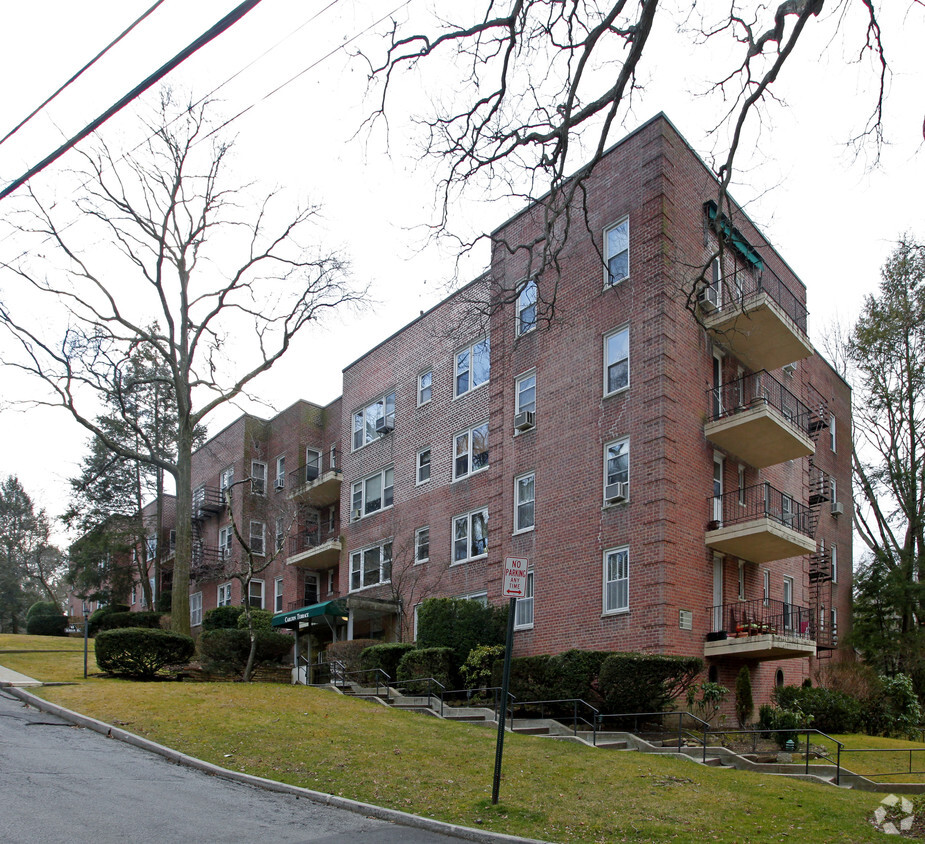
161 255
542 84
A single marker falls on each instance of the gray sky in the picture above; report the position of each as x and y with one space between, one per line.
833 215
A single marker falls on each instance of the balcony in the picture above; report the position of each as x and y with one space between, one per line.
207 562
207 501
760 524
755 316
761 630
313 548
310 484
760 421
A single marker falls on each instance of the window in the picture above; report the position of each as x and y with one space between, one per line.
423 466
332 581
470 452
278 595
151 547
373 493
473 366
255 594
225 480
617 360
256 539
470 536
310 589
834 487
525 393
832 432
616 580
741 485
371 566
258 477
364 420
224 595
425 387
195 609
422 545
526 308
741 580
617 251
616 466
788 603
312 464
225 538
833 552
280 533
833 615
523 608
766 588
281 472
524 495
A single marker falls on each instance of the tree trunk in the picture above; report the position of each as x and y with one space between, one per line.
179 610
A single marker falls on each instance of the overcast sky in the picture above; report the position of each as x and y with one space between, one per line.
832 214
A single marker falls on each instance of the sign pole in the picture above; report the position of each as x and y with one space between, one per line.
502 712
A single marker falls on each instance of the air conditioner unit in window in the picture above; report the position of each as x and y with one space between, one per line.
525 420
707 299
280 483
838 509
357 514
384 425
615 493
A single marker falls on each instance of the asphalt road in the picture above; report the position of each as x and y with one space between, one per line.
60 784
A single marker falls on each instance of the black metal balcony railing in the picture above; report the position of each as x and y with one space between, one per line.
745 286
307 538
207 561
304 475
206 501
763 617
759 389
758 502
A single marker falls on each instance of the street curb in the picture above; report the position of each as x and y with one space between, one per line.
366 809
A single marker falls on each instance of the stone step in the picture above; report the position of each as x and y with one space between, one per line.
532 731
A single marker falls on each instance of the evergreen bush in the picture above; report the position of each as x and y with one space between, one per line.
832 711
385 656
261 619
460 624
437 663
745 705
93 622
632 682
225 650
476 671
116 620
44 618
139 653
222 618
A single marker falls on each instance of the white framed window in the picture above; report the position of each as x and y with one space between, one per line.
616 580
332 518
151 547
425 387
523 608
255 594
280 472
312 464
225 480
473 367
422 472
278 595
373 493
366 419
134 594
280 533
833 554
332 580
225 539
741 580
833 615
370 566
617 360
616 468
258 477
833 486
470 536
525 393
526 308
195 609
223 599
832 442
524 502
257 538
470 451
766 587
422 545
332 458
617 252
479 597
310 589
741 485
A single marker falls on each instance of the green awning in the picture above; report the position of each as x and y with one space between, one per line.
294 617
733 235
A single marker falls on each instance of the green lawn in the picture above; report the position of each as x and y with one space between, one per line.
554 791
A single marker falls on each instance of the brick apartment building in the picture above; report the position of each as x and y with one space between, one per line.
675 468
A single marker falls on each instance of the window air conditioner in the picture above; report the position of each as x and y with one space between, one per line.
357 514
838 509
280 483
524 420
707 299
384 425
615 493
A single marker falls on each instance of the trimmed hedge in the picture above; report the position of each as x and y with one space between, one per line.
632 682
222 618
93 622
226 650
571 674
385 656
139 653
117 620
45 618
43 608
460 624
427 662
261 619
832 711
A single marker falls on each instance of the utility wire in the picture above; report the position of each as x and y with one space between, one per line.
230 19
79 73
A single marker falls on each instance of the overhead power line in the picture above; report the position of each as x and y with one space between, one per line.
79 73
230 19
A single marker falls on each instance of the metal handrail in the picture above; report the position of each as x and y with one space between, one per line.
909 750
757 390
575 701
764 616
431 682
681 715
496 698
757 502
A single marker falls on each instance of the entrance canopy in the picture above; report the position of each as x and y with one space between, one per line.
292 620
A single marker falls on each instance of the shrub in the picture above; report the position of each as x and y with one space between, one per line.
571 674
531 678
43 608
349 652
93 623
460 624
45 618
385 656
222 618
139 652
894 709
426 662
116 620
631 682
712 697
226 650
787 721
744 703
476 671
832 711
261 619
